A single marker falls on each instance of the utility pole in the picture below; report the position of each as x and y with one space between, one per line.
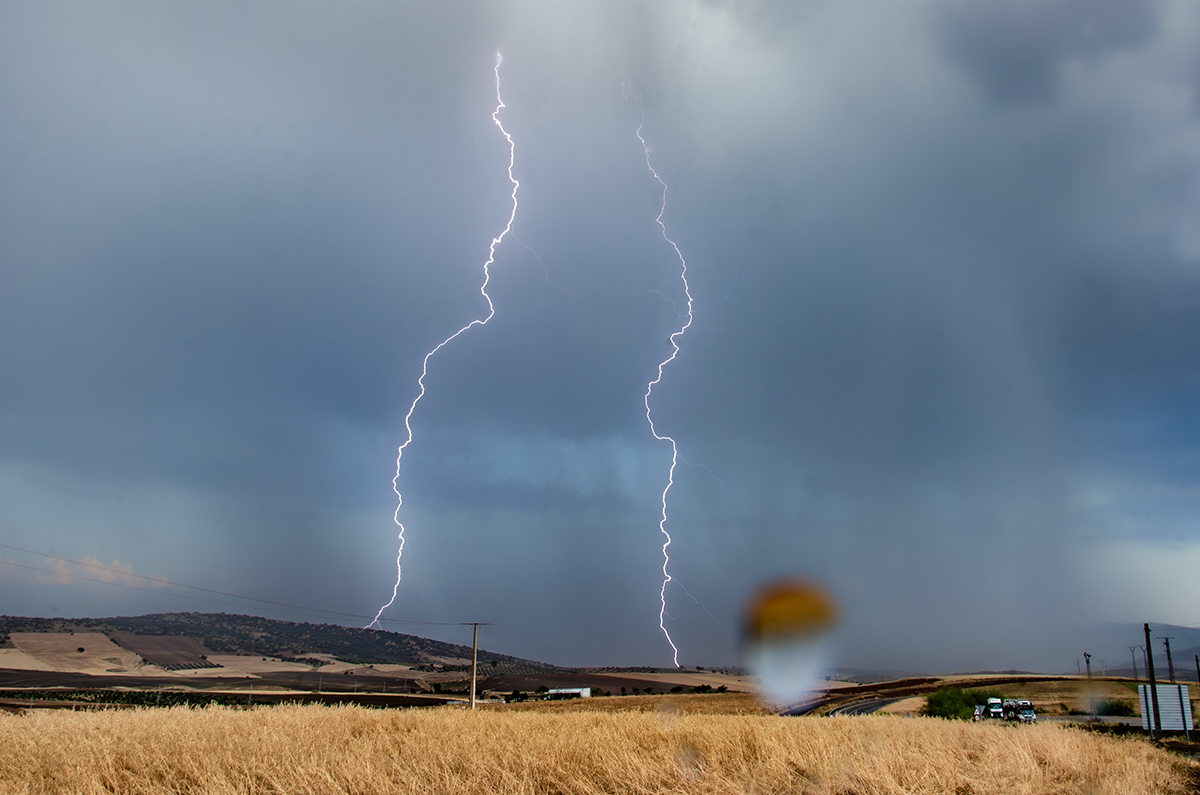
1156 722
1170 665
475 625
1087 658
474 659
1198 669
1133 657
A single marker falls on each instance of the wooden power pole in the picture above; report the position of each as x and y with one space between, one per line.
1170 665
475 625
1091 693
1156 720
474 659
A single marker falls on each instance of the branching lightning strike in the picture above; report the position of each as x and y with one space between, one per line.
479 322
662 525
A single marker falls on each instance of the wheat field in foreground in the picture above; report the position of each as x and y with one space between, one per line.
313 749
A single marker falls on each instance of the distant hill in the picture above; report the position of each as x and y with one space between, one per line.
235 634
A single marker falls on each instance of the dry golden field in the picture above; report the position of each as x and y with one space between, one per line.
684 704
350 750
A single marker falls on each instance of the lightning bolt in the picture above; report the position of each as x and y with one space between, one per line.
487 275
662 209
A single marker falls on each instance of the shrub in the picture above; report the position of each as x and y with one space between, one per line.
1117 707
949 702
954 702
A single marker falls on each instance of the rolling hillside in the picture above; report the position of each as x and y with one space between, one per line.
236 634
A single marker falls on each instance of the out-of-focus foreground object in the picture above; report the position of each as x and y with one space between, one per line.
785 638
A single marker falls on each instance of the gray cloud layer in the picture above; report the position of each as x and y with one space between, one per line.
945 268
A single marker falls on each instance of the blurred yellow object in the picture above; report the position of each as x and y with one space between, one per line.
785 639
788 607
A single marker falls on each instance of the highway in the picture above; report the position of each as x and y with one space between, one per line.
863 707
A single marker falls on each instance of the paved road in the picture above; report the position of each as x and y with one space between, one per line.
803 708
863 707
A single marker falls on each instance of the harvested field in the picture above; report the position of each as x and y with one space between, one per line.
60 651
338 750
906 706
172 652
17 660
243 665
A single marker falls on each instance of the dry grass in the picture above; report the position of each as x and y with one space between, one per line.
351 750
684 704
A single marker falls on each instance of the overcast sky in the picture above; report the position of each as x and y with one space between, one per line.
945 259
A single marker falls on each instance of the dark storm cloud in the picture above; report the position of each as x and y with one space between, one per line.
938 337
1014 49
932 333
229 271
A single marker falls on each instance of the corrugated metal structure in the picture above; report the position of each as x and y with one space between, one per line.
1174 708
563 693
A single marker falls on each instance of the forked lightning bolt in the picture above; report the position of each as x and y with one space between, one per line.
662 209
482 322
662 525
